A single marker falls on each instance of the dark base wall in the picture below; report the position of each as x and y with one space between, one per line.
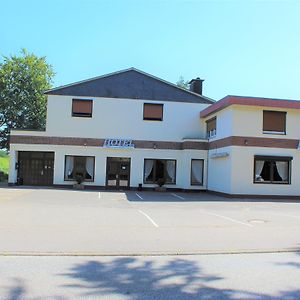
247 196
225 195
104 188
98 187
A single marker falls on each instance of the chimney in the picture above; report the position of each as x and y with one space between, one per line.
196 85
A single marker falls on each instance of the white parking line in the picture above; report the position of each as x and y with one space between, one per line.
177 196
99 195
139 196
150 219
230 219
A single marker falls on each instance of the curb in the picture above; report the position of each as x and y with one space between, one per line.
106 254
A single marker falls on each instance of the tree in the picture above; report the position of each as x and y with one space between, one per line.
23 80
182 83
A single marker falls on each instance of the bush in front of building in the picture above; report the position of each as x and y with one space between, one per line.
4 165
3 177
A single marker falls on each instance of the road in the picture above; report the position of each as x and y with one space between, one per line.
217 277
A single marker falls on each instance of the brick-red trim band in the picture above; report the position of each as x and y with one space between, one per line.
140 144
254 142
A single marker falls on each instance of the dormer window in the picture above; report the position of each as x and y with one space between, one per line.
274 122
82 108
211 127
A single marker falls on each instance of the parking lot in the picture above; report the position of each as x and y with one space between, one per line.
53 221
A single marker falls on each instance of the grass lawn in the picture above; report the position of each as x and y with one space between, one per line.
4 162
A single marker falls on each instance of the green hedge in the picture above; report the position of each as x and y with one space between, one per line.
4 162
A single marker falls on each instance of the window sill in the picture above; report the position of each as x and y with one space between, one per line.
211 137
82 116
274 132
158 120
271 182
74 180
154 183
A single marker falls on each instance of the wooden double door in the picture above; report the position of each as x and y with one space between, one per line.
117 172
35 168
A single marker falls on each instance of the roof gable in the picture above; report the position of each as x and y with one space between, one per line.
130 84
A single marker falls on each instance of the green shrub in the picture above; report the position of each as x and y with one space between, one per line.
4 163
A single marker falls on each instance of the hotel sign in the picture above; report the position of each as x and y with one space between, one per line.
118 143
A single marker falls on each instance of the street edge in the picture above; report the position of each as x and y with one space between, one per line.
166 253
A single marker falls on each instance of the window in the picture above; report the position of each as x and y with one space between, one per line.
79 166
274 122
82 108
153 112
156 170
272 169
197 171
211 127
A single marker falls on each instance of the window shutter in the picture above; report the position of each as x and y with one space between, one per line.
211 124
82 107
274 121
153 111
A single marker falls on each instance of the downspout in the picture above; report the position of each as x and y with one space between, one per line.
207 162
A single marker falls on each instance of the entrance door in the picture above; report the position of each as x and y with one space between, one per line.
117 172
35 168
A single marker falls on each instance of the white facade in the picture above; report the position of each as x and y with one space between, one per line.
231 168
241 157
117 118
123 118
183 168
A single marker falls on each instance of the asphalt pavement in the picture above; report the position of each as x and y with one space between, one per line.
64 244
51 221
215 277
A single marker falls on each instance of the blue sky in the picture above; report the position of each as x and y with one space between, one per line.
239 47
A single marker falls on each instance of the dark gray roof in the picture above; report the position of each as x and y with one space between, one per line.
130 84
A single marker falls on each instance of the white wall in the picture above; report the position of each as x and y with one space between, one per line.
242 163
219 175
120 118
234 174
27 132
13 158
123 118
137 156
248 121
240 120
224 123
